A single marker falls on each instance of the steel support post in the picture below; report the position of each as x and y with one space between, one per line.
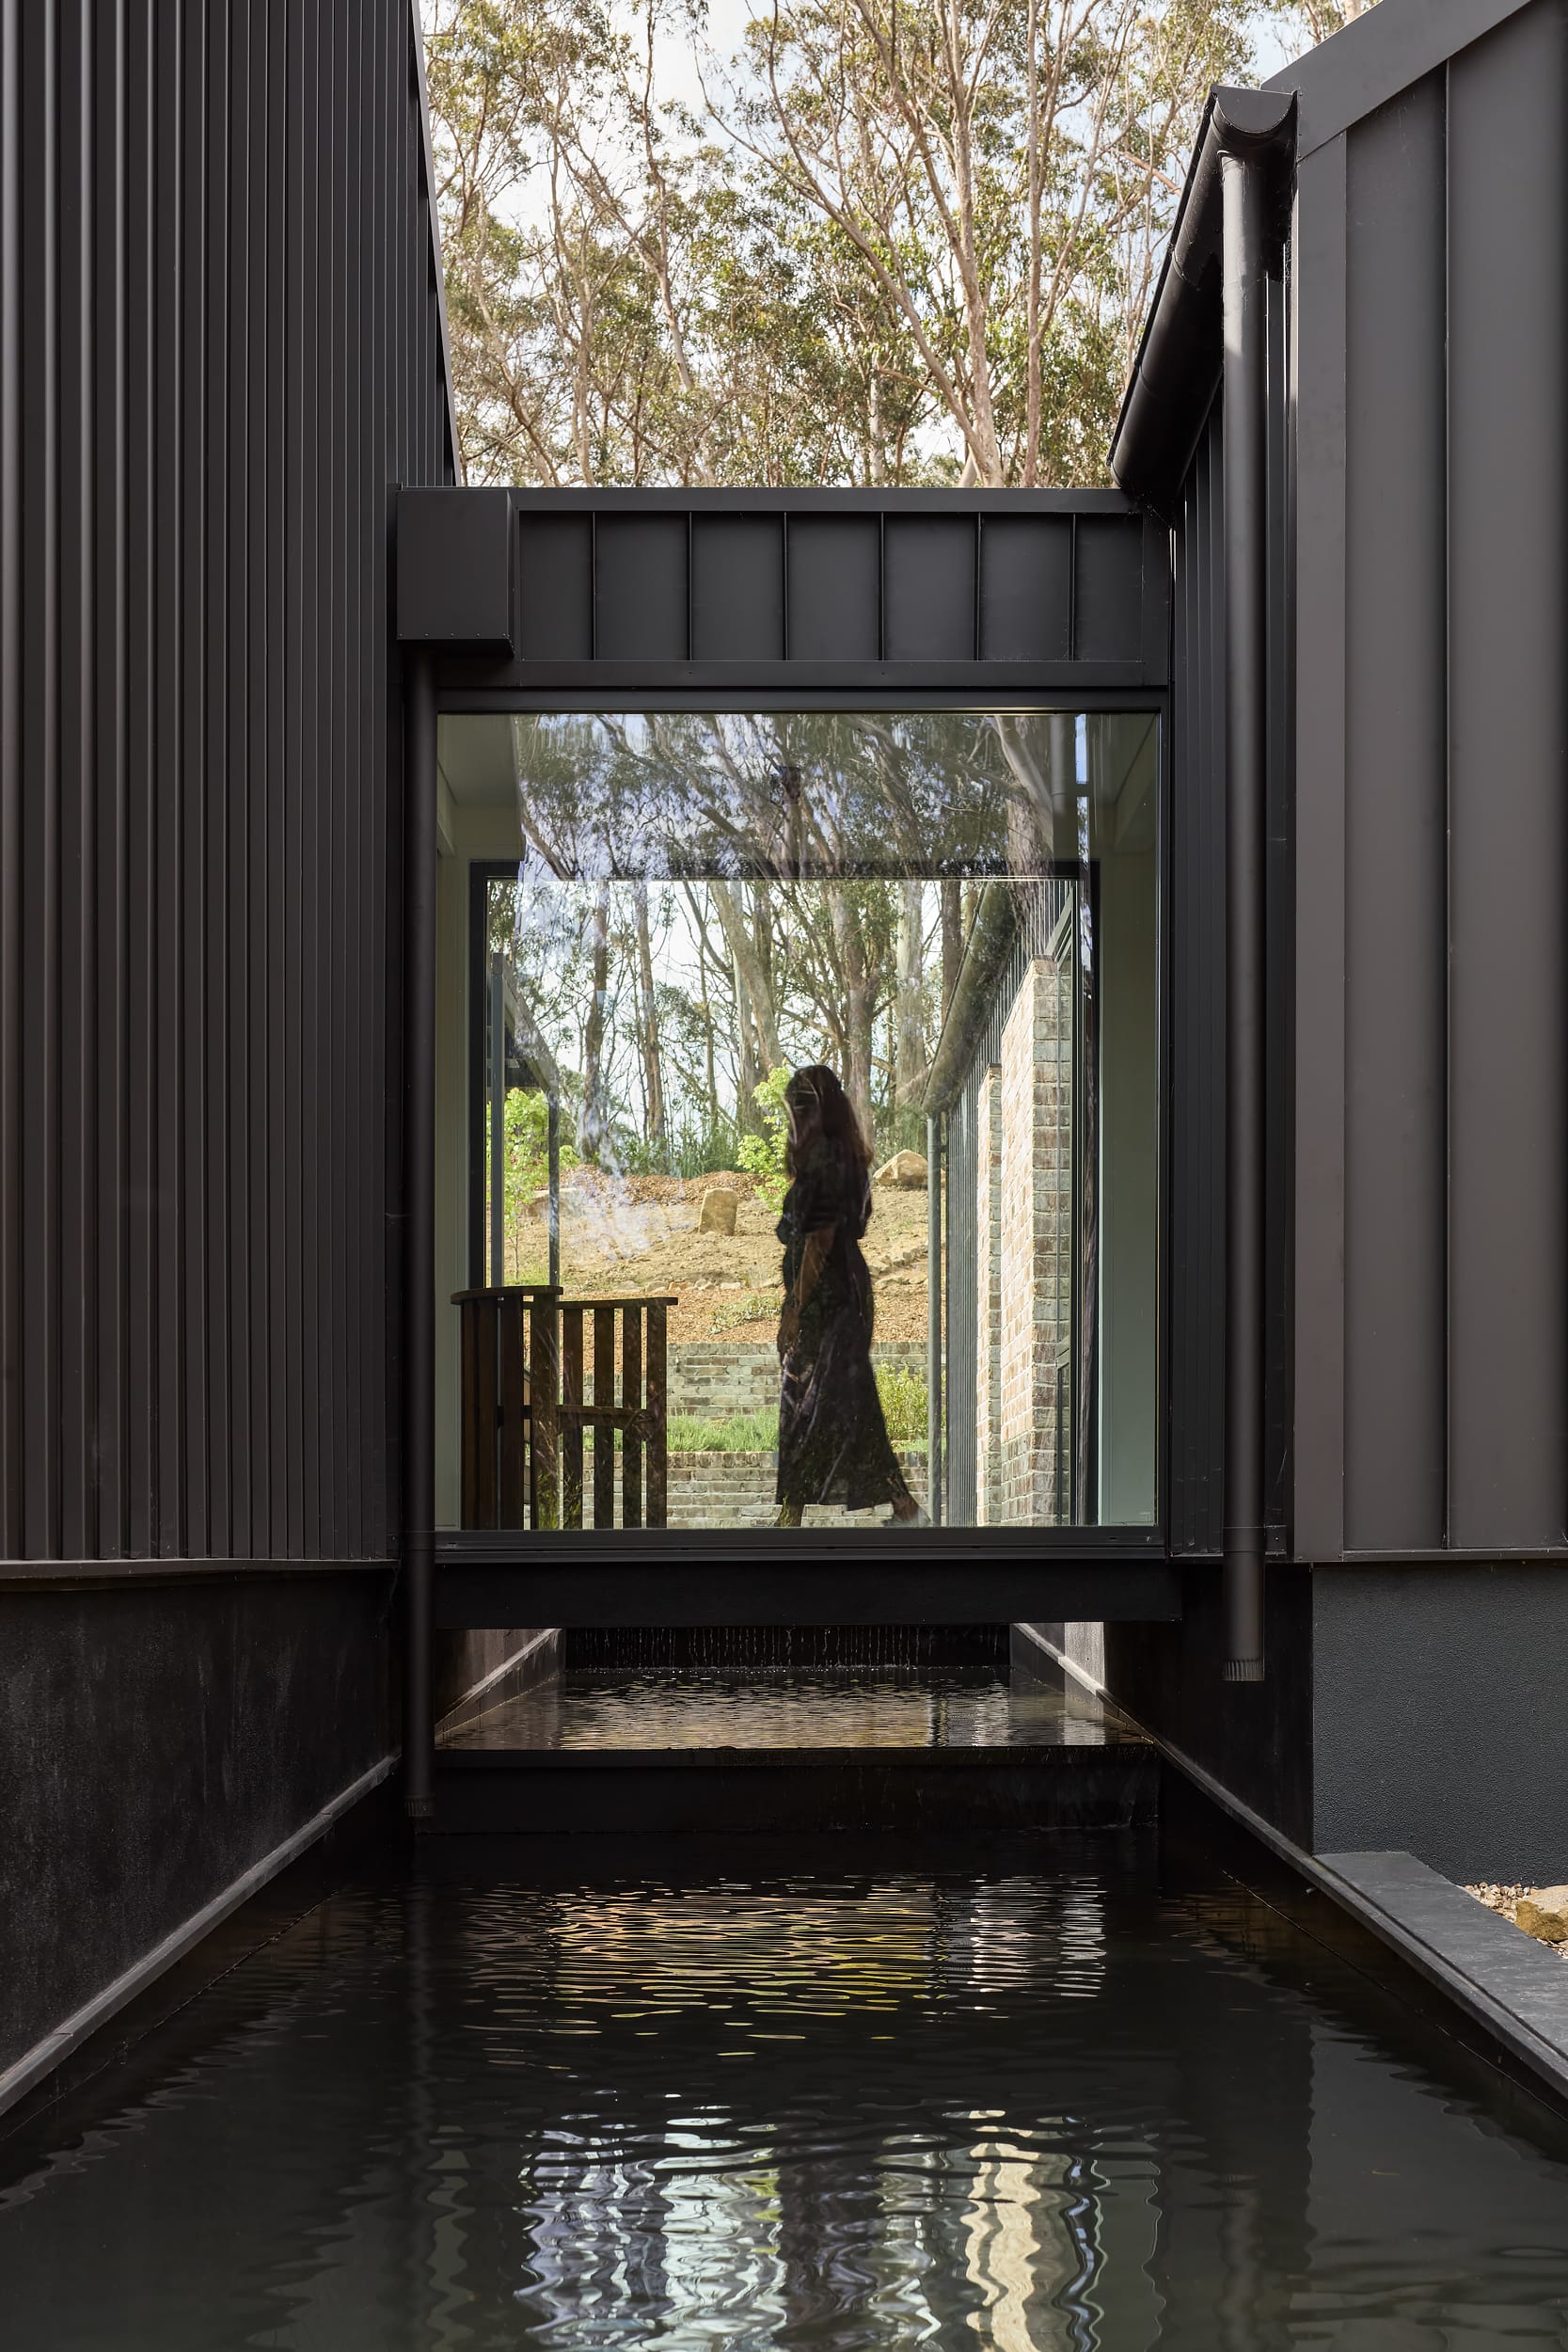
419 1268
1244 219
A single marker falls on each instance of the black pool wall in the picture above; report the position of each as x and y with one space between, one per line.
1255 1738
156 1742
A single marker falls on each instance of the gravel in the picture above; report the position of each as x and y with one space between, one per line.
1505 1900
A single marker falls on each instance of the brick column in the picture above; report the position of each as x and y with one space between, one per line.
987 1336
1036 1250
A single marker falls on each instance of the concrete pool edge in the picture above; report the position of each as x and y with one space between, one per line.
1480 1962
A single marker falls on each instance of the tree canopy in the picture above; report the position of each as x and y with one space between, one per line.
885 241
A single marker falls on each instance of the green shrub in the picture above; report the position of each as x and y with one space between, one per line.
762 1157
905 1405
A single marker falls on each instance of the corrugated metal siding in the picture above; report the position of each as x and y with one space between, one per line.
1456 846
222 346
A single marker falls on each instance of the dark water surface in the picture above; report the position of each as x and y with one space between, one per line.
1040 2100
975 1707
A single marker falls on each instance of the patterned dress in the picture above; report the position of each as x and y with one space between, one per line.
834 1444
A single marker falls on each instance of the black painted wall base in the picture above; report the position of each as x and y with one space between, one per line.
1440 1715
158 1741
1256 1738
730 1791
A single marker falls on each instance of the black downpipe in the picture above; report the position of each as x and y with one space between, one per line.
936 1402
1244 200
419 1268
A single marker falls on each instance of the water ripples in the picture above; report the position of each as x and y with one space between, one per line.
1038 2108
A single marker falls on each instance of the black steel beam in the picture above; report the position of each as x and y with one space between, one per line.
852 1588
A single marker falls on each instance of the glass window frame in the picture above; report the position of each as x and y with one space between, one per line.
1063 1544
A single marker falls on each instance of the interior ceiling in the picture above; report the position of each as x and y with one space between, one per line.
474 752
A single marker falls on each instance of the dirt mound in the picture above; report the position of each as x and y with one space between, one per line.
630 1236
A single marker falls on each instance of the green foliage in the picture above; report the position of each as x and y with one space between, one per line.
892 242
903 1395
736 1433
905 1407
528 1168
762 1156
706 1149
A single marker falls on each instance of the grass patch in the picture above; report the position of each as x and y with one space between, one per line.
751 1307
903 1395
736 1433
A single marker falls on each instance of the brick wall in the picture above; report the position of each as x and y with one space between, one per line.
715 1377
1033 1184
987 1350
738 1490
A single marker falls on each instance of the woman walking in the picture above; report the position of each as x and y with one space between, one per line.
833 1443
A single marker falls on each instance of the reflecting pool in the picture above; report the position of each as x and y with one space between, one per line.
953 1706
1047 2102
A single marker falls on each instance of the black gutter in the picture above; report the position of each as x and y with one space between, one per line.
1178 367
419 1263
1209 328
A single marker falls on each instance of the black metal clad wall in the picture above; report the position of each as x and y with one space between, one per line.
222 346
1456 260
1034 578
1196 900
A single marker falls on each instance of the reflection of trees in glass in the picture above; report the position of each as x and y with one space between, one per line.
703 897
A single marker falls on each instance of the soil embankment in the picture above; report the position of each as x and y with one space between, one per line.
626 1235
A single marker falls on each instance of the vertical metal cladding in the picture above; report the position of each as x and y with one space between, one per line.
1396 824
220 348
1455 824
1508 805
1197 1154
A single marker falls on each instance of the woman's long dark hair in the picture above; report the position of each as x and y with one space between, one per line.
815 1089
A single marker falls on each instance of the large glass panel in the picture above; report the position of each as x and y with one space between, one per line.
713 986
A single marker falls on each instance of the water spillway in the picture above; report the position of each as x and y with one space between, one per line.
900 1729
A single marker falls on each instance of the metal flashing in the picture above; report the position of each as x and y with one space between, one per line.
1174 376
1380 55
415 26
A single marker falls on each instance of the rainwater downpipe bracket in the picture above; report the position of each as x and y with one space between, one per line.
1245 196
418 1269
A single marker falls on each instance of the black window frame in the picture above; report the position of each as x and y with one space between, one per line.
649 1547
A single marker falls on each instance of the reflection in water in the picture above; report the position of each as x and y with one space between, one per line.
952 1707
1038 2108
